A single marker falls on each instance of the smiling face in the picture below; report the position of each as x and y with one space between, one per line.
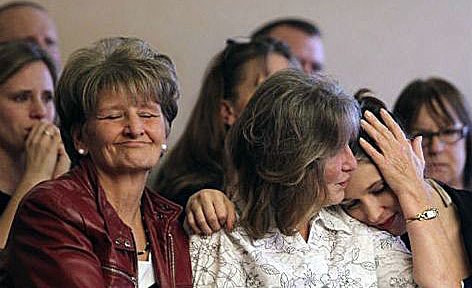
338 170
370 200
444 161
25 99
124 135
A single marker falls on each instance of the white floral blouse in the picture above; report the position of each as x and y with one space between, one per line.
340 252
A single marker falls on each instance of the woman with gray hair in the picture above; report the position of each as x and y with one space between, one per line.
98 225
290 160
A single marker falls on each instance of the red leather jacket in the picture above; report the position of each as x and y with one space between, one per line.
66 234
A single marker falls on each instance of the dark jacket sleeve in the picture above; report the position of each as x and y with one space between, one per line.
42 253
468 282
463 201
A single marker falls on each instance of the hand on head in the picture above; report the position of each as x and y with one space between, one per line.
400 161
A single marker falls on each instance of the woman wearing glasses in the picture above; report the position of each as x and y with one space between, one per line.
435 109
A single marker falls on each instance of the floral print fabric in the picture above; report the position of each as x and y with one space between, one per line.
340 252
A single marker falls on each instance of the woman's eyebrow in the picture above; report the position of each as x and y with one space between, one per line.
371 186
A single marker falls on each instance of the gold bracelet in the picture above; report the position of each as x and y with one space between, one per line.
427 214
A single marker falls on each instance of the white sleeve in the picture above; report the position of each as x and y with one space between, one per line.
394 261
216 261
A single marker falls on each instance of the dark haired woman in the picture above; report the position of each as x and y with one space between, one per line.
387 191
31 148
437 110
196 162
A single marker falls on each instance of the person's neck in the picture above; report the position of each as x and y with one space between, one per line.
457 183
124 192
12 169
305 230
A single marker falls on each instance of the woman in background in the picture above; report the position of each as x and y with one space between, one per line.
437 110
31 148
196 162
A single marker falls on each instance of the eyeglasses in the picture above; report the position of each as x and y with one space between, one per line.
244 43
446 136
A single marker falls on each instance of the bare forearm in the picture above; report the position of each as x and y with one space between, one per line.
434 262
6 219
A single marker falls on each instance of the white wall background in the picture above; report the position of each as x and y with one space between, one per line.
381 44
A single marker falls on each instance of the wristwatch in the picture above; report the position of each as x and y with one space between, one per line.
427 214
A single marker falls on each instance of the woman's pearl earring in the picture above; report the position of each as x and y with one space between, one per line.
81 151
163 148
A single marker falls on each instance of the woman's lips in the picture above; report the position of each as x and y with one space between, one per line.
387 224
344 184
134 144
436 167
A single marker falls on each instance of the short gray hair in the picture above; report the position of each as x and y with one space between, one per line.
114 64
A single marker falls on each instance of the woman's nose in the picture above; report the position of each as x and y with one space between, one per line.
435 145
134 127
349 162
373 212
38 108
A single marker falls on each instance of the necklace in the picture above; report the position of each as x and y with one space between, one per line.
146 249
147 246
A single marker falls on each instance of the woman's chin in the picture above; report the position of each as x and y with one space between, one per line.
335 198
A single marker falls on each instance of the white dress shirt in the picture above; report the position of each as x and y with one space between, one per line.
340 252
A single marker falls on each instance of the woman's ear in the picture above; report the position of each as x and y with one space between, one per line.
78 138
227 113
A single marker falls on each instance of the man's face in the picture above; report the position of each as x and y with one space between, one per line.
32 24
307 49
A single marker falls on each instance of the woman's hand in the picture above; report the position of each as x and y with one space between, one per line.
45 159
400 161
45 155
208 210
63 161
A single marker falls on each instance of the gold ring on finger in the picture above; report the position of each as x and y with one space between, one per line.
46 132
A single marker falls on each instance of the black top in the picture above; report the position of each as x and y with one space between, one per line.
462 199
4 199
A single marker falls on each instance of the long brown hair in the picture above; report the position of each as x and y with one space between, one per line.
278 148
196 161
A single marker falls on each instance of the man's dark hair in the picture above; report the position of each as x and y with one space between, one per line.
296 23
